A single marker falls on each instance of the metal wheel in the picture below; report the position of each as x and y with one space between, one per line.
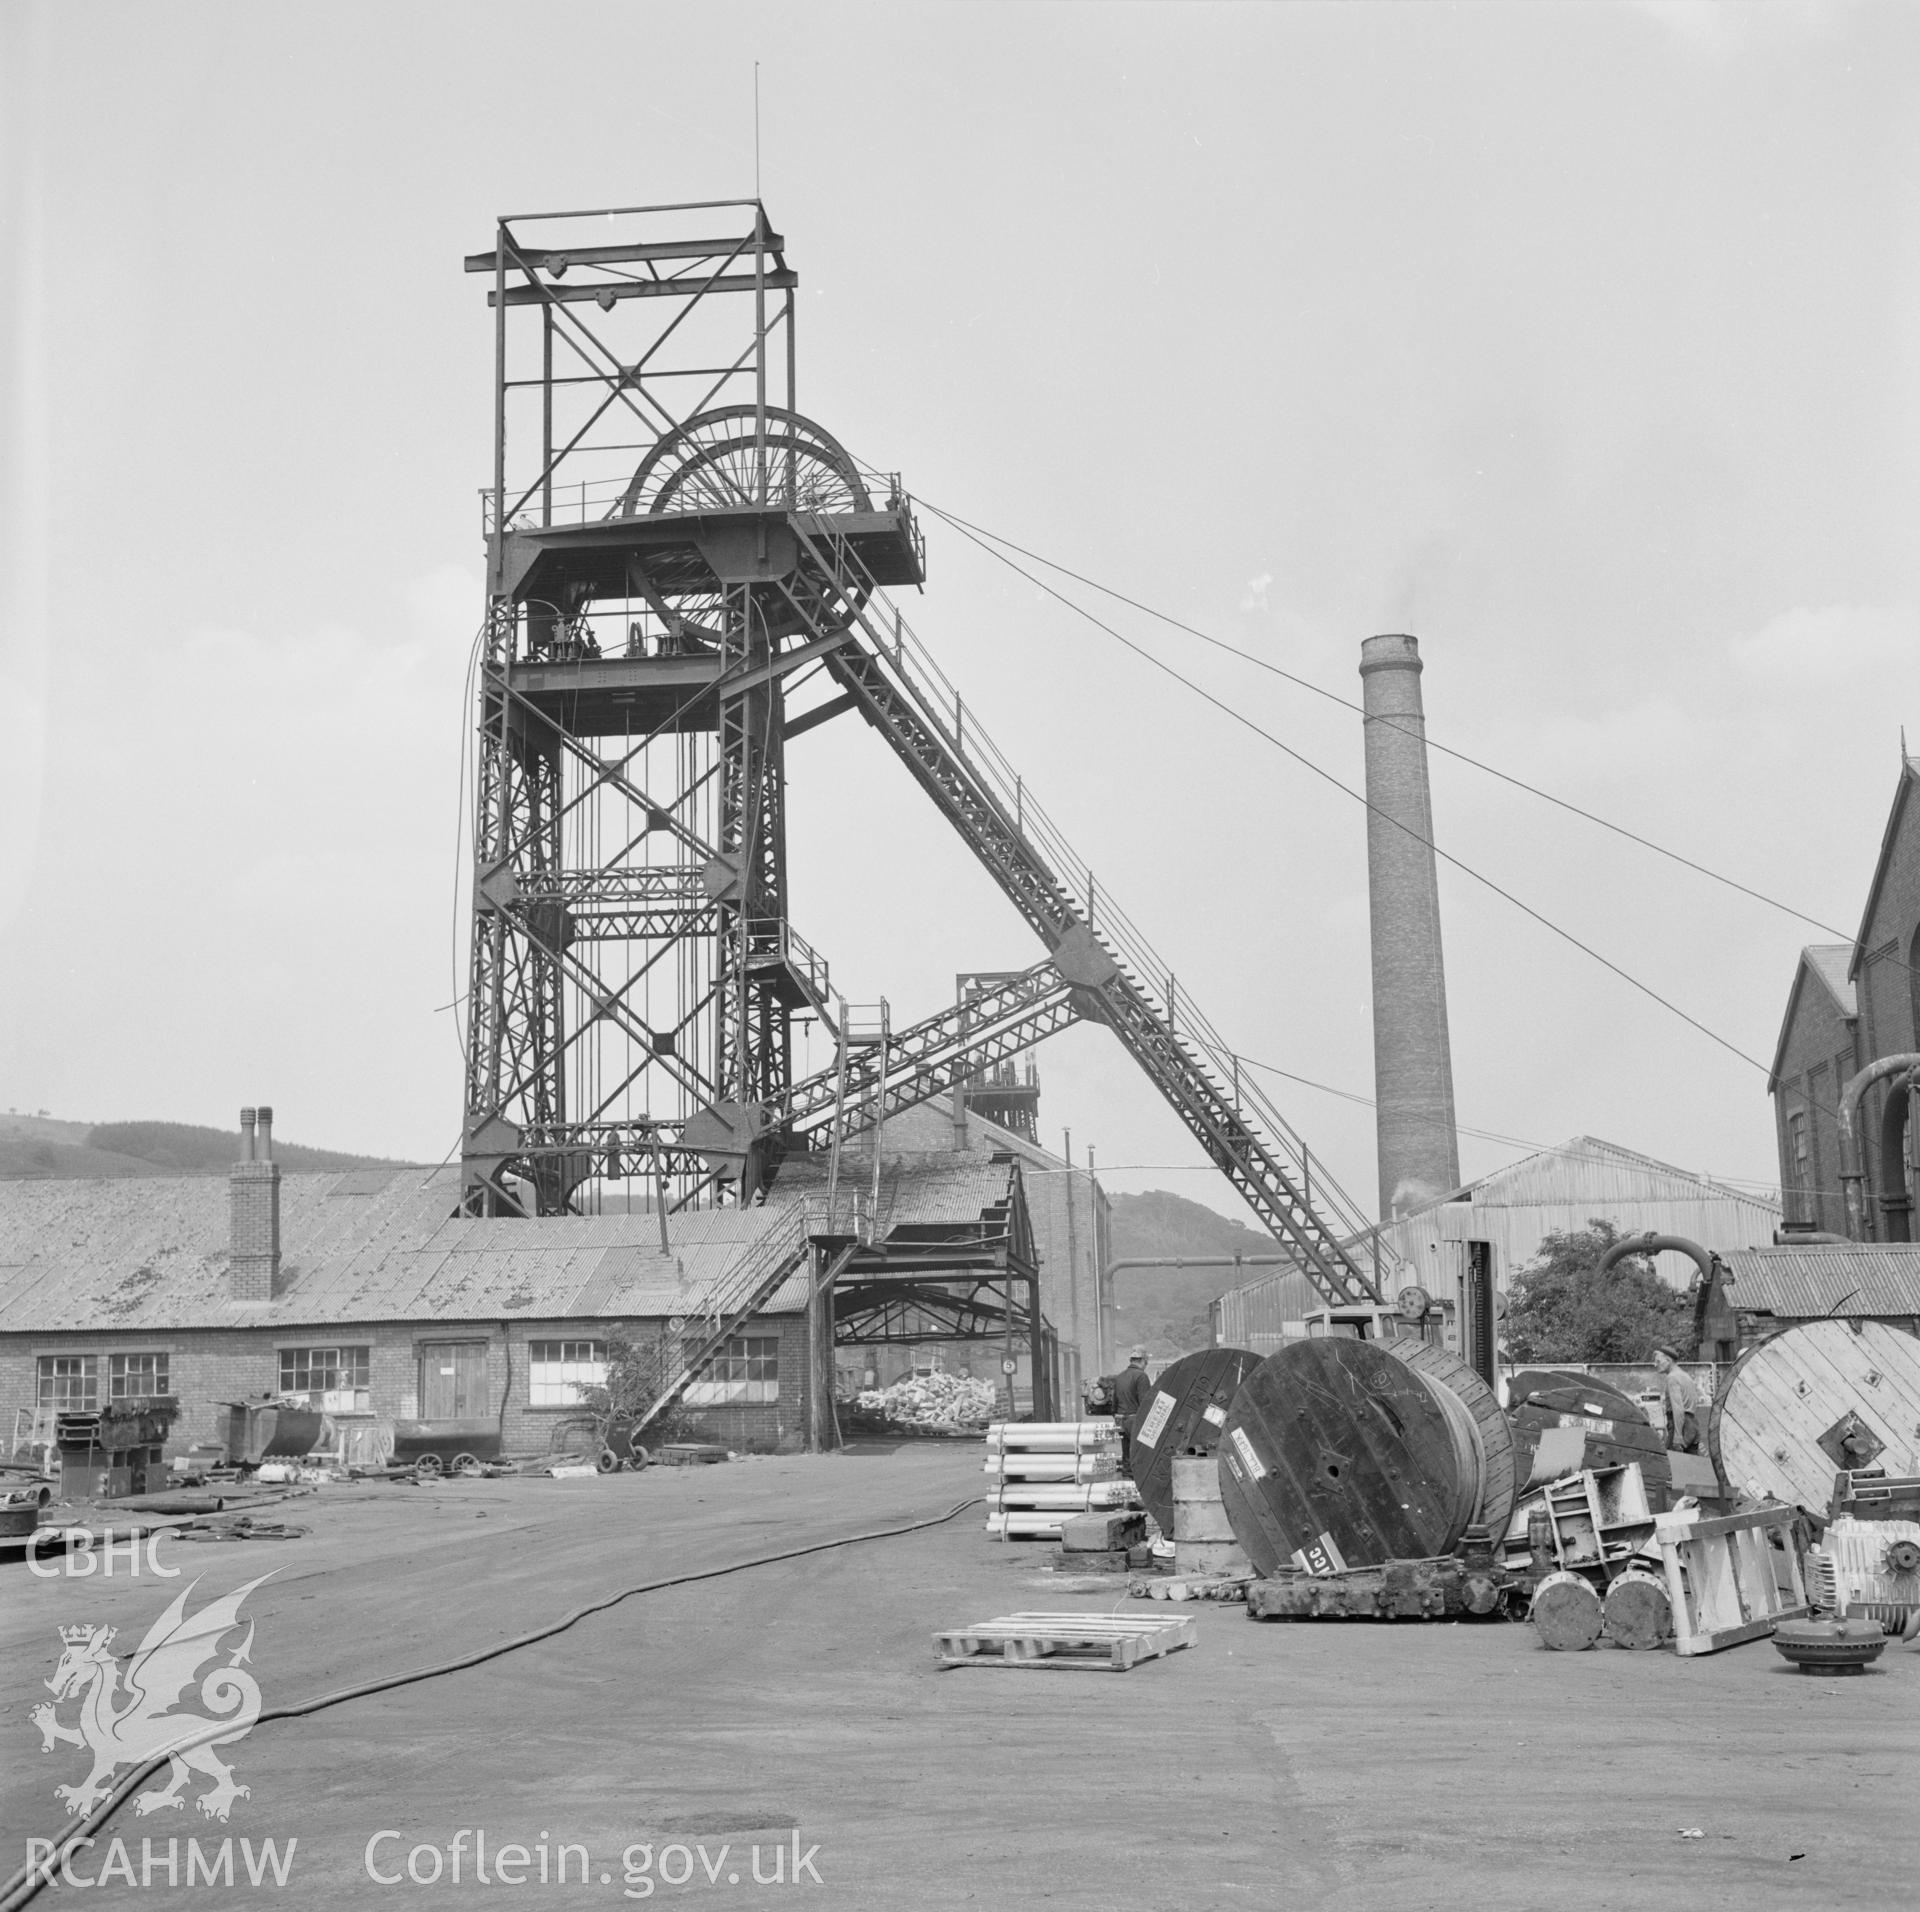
467 1465
713 463
428 1467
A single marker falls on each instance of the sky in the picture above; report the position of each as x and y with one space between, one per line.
1581 341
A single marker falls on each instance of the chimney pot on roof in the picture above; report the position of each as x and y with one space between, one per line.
254 1205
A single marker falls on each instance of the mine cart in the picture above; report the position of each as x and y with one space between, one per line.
270 1431
432 1448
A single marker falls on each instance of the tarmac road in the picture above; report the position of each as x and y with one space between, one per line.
796 1709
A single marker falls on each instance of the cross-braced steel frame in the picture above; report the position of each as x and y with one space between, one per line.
672 555
635 976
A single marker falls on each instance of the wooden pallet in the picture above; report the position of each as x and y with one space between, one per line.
1098 1642
1731 1579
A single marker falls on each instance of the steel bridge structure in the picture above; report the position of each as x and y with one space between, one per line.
683 574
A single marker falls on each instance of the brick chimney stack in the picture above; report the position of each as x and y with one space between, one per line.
1419 1149
255 1187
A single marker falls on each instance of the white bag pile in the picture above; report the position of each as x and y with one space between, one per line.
933 1400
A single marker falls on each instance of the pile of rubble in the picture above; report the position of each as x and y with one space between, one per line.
935 1400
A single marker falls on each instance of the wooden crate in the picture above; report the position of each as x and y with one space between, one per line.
1090 1642
1733 1578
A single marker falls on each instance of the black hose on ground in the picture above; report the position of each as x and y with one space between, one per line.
26 1883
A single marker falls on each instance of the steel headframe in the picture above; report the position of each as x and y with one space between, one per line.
634 975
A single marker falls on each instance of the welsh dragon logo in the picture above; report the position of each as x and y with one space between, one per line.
147 1719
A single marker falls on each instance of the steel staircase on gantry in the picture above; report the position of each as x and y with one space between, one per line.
1104 966
931 1057
732 1301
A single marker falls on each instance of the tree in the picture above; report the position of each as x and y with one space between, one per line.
1559 1310
637 1375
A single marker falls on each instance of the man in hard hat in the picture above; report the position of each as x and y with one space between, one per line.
1682 1401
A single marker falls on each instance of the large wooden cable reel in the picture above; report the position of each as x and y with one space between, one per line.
1812 1402
1183 1416
1615 1425
1342 1453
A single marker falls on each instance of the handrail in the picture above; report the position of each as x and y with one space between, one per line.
938 704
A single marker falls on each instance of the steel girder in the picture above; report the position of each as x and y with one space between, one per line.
1103 987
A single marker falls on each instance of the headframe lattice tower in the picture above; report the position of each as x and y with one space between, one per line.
635 974
652 592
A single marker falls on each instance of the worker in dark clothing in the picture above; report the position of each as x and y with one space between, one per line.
1130 1391
1131 1388
1682 1401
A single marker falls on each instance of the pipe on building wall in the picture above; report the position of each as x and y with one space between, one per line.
1651 1244
1853 1173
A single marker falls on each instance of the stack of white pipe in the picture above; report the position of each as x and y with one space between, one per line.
1045 1472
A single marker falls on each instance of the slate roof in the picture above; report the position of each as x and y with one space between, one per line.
1832 964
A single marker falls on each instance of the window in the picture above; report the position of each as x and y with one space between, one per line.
1799 1195
136 1377
558 1370
69 1383
747 1369
335 1380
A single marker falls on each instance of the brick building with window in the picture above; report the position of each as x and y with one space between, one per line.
384 1306
363 1295
1850 1004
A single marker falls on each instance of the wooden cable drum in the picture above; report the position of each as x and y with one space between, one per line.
1341 1453
1184 1417
1489 1431
1616 1427
1813 1401
1598 1397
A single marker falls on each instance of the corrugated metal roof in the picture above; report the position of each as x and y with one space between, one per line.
1588 1169
383 1245
1565 1188
150 1254
949 1189
1862 1279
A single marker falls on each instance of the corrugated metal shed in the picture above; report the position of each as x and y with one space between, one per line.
1567 1187
1562 1188
1864 1279
1264 1314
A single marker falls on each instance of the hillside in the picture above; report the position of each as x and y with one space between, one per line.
1167 1308
43 1148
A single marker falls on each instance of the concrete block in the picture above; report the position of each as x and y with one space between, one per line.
1102 1533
